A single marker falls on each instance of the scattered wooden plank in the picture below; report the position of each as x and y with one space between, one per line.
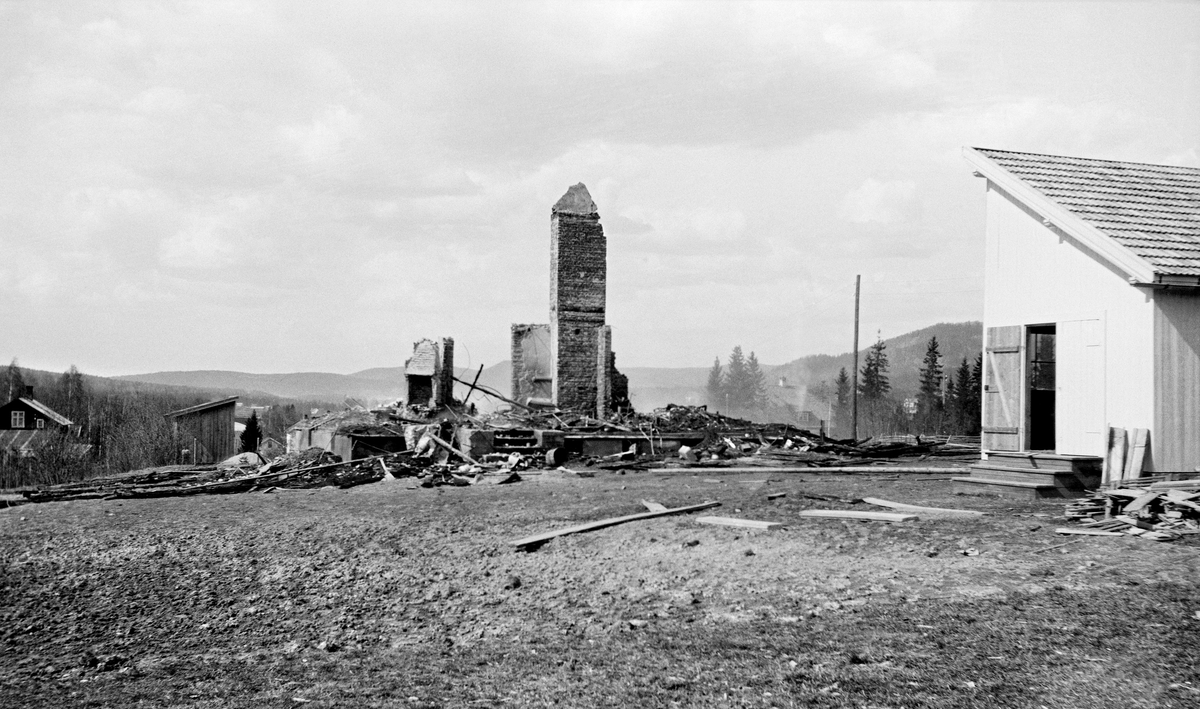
851 514
776 495
1087 532
1123 492
1136 458
654 506
600 524
1141 502
736 522
1176 485
891 469
922 510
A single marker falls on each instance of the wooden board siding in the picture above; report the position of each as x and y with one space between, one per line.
1079 373
210 431
1002 417
1175 437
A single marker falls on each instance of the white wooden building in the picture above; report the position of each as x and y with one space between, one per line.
1091 306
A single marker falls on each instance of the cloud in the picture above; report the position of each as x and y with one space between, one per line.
323 137
880 202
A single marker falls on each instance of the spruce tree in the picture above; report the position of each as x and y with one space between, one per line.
252 435
976 399
951 420
963 406
736 384
873 384
841 411
756 384
929 396
716 385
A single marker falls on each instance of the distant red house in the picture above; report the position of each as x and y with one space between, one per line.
24 421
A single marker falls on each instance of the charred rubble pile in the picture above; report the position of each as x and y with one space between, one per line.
448 445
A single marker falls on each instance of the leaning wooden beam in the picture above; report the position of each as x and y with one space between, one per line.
452 449
849 514
600 524
922 510
813 469
735 522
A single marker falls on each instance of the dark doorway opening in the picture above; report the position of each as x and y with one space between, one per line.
1041 387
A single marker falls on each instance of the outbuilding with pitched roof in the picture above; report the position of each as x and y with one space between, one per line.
1091 308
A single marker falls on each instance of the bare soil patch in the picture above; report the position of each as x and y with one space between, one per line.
394 595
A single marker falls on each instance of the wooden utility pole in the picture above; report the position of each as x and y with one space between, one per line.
854 378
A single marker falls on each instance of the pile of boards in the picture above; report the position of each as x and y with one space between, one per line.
312 468
1151 508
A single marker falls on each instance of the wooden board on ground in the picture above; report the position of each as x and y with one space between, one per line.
944 511
851 514
888 469
1141 502
653 506
1087 532
600 524
735 522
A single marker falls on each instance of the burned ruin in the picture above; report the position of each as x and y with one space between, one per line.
429 374
569 362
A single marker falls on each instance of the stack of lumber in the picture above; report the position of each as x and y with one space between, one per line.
1151 508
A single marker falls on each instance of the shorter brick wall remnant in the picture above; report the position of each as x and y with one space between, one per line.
532 367
604 357
429 373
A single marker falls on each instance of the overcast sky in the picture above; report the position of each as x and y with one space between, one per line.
290 186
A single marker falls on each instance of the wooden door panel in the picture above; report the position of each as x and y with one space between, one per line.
1002 418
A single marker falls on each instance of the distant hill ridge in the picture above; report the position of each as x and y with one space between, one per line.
650 387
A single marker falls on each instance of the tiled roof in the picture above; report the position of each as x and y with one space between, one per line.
1152 210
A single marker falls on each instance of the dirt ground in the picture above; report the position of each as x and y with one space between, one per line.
394 595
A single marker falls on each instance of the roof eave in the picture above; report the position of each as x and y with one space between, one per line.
1139 270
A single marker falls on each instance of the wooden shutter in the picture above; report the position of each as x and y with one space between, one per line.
1002 419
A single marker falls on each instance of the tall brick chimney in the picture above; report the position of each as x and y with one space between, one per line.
578 273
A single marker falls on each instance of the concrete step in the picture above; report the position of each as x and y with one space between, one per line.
1060 478
1012 488
1045 461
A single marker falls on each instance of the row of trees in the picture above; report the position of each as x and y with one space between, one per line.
945 403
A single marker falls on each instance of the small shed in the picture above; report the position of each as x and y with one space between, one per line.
1091 307
206 431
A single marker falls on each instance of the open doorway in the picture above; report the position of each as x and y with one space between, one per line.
1041 387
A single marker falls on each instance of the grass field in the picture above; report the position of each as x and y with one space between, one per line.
392 595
